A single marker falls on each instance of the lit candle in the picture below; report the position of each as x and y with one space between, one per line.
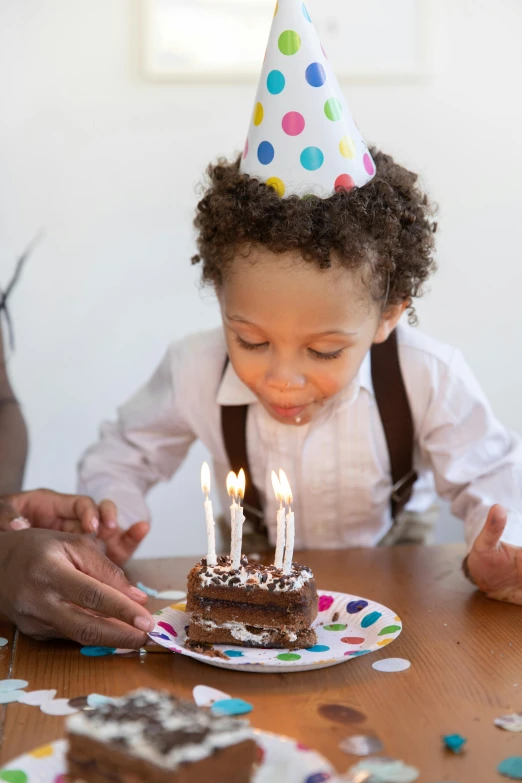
290 525
236 490
280 542
209 516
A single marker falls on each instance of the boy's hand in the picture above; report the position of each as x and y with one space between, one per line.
60 585
495 567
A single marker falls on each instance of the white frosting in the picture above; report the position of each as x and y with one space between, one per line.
254 574
240 632
98 725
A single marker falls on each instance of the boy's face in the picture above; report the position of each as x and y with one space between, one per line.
297 334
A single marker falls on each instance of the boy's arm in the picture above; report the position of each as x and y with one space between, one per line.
13 433
144 446
476 461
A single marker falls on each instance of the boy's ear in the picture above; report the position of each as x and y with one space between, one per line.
388 322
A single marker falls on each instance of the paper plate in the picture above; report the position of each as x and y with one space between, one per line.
347 626
284 761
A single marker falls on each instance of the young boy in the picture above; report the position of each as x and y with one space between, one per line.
315 250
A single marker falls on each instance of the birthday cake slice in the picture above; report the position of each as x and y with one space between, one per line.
153 736
252 606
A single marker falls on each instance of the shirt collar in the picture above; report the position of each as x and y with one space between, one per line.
232 391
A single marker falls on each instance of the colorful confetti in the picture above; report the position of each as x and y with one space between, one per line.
37 698
392 665
383 770
454 742
150 591
511 722
3 641
231 707
205 696
58 707
8 697
362 745
511 767
97 652
12 685
98 700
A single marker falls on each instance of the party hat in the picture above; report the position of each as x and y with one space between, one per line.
302 138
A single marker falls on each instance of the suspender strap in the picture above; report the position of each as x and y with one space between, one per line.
233 425
397 421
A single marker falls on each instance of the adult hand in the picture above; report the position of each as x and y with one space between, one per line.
56 584
495 567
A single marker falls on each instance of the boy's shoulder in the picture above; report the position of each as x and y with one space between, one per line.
417 348
198 358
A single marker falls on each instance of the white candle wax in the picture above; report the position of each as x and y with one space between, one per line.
211 533
289 549
237 535
280 542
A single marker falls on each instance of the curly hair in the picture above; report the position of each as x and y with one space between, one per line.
383 229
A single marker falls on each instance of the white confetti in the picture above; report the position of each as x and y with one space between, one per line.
386 771
511 722
58 707
6 697
392 665
12 685
172 595
3 641
205 696
37 698
361 745
98 700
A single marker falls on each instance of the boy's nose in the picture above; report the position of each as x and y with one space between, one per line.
284 378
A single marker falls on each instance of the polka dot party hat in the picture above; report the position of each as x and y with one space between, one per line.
302 138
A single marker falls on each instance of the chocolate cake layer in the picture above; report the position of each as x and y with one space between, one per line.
208 632
267 615
152 736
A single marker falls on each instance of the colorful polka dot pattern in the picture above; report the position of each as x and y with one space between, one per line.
302 135
346 626
301 764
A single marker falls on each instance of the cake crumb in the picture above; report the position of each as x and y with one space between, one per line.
210 652
335 617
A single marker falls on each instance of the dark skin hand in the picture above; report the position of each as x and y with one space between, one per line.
495 567
55 584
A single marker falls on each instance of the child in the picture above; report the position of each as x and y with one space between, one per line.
315 251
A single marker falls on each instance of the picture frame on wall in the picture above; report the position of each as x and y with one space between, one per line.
225 40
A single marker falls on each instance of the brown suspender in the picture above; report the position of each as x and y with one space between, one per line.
397 422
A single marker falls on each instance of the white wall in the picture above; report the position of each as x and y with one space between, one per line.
108 163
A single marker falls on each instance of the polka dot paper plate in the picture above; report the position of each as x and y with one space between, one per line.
282 761
347 627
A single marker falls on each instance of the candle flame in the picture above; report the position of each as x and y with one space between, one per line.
232 484
277 487
241 483
205 478
285 487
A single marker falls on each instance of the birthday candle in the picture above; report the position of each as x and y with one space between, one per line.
209 516
280 517
236 489
290 523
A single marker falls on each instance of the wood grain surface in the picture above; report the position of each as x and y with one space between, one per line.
465 650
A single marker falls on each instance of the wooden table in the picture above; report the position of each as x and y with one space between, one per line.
466 669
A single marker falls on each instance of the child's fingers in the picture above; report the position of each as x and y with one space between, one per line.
108 514
121 548
489 537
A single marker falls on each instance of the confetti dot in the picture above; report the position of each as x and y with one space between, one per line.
3 641
347 147
368 164
343 182
99 700
204 696
333 109
306 14
157 635
277 184
384 642
58 707
312 158
318 648
167 627
293 123
231 707
391 665
259 113
43 752
325 602
315 75
12 685
353 639
356 606
335 627
9 697
150 591
454 742
511 767
357 652
96 652
265 153
275 82
370 619
318 777
288 657
13 776
389 629
289 42
245 153
36 698
233 653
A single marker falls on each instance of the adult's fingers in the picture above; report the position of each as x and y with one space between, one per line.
489 537
72 623
88 593
108 514
122 546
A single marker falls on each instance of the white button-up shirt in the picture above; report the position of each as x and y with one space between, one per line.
338 464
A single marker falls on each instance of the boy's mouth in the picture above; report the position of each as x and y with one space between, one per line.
289 413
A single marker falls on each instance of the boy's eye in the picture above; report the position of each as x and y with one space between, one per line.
249 346
320 355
